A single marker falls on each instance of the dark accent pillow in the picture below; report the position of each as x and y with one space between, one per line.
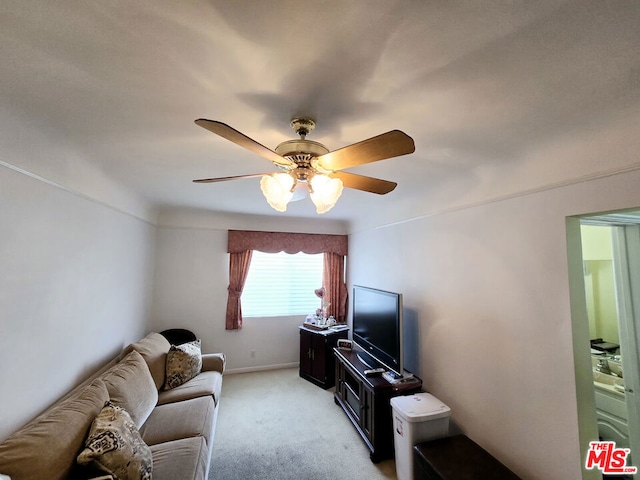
183 363
115 446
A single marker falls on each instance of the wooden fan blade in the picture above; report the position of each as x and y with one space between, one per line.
367 184
387 145
224 179
231 134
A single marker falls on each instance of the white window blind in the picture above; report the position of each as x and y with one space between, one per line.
280 284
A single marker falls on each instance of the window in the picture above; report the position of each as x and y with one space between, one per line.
280 284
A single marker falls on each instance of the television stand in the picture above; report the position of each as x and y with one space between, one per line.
366 401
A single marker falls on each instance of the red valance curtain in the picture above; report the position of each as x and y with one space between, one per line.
241 244
273 242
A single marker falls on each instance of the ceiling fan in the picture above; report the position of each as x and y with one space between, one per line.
305 162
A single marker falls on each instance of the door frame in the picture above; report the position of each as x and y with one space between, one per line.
585 391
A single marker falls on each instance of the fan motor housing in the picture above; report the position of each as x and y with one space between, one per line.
301 151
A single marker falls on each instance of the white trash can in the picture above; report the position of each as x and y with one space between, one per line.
416 418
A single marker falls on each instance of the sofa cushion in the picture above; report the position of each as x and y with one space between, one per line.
206 383
186 459
190 418
183 363
131 387
153 348
115 446
46 448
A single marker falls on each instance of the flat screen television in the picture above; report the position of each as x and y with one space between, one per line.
377 328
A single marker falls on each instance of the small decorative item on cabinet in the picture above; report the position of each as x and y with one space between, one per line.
315 326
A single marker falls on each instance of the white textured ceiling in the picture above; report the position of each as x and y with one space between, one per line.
499 96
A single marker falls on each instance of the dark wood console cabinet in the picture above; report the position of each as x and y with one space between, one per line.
317 363
366 401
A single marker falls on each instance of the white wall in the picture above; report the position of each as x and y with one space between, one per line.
191 280
488 288
75 288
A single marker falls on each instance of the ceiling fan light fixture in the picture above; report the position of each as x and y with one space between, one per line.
324 192
278 189
310 166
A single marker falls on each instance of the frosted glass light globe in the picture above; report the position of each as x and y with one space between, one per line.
325 192
278 190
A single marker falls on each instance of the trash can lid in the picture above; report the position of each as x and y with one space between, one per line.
419 407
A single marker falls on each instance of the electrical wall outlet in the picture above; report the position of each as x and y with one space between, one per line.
252 354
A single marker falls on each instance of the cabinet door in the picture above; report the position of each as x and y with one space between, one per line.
319 357
367 406
306 352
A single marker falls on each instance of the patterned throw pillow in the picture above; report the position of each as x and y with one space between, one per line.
183 363
115 446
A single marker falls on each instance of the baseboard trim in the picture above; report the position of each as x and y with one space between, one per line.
261 368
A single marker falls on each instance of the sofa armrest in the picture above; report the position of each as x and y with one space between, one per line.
213 362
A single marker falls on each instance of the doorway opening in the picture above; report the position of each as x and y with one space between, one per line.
604 269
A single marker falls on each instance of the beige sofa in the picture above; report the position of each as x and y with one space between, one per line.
177 424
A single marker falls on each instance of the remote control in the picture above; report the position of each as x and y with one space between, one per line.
374 371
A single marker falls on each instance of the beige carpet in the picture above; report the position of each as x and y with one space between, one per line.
274 425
